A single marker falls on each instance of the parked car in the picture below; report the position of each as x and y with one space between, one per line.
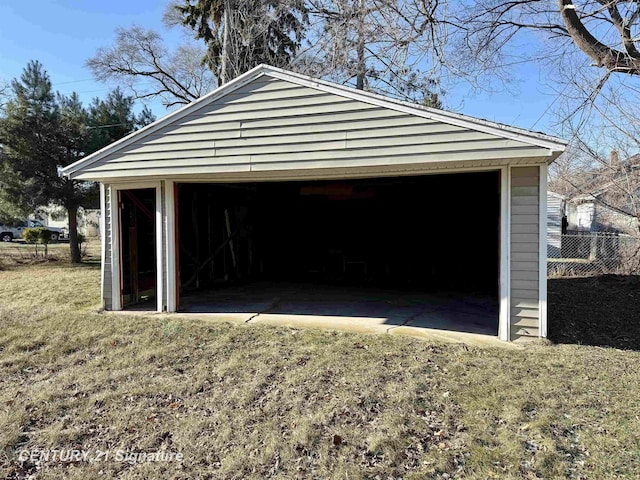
9 233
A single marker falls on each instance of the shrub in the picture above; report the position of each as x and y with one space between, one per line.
81 241
37 236
31 235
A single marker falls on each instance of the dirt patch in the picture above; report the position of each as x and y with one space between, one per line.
602 311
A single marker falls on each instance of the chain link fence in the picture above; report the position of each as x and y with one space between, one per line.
592 253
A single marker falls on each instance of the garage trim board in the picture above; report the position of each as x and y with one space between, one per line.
278 127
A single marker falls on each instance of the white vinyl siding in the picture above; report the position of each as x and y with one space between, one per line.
525 202
106 261
271 124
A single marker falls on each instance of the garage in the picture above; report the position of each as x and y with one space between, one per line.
279 194
371 237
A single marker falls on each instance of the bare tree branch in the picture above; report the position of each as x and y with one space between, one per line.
177 77
602 54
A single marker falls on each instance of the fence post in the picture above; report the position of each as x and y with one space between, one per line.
594 253
593 247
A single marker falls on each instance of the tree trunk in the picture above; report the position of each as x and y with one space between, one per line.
600 53
227 28
74 247
361 64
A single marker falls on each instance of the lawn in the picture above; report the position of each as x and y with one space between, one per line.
266 402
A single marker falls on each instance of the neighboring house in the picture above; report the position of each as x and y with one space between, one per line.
581 227
88 219
586 213
285 173
607 198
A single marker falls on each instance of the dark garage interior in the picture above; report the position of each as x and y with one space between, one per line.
137 241
432 238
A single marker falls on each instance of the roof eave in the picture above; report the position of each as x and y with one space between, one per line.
161 122
555 145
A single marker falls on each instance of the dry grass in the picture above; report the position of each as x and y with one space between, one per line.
20 253
264 402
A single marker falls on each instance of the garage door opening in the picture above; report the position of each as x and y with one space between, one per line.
137 242
408 249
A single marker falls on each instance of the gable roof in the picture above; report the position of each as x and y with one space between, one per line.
534 139
555 195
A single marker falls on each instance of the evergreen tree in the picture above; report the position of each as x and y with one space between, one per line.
113 118
14 203
241 34
72 139
42 132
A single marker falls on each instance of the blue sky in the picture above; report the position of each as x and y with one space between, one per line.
62 34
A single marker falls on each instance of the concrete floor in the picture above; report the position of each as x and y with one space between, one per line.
348 308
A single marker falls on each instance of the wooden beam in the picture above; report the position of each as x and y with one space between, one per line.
219 249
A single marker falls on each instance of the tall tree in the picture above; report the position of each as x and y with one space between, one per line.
111 119
617 52
378 45
71 139
41 132
14 202
229 38
241 34
604 30
4 93
140 61
38 139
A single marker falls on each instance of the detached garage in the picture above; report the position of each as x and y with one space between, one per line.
309 196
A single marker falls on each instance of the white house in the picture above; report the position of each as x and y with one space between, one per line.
280 176
586 213
88 219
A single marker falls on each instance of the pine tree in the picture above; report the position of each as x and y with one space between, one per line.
72 139
113 118
41 132
241 34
